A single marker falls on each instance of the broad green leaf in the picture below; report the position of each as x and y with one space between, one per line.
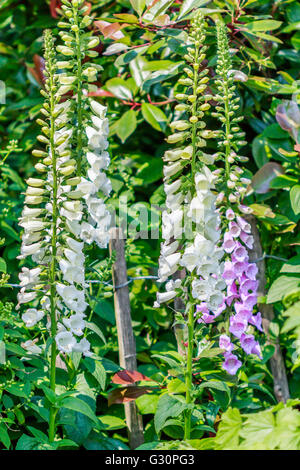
3 267
96 329
97 370
262 25
296 41
154 116
293 321
126 125
222 386
258 427
282 287
138 6
74 403
4 437
295 198
112 422
119 88
188 5
168 407
229 429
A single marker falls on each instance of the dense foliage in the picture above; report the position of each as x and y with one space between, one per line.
142 52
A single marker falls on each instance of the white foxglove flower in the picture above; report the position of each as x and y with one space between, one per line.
65 341
32 316
75 323
83 347
31 347
29 276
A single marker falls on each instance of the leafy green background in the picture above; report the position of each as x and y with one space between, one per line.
142 48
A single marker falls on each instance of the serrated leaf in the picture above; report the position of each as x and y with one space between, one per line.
168 407
229 429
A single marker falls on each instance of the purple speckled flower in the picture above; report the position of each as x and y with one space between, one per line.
243 224
248 287
238 325
232 293
256 320
247 239
225 343
256 350
239 268
249 300
234 229
229 272
242 310
231 363
240 277
251 271
248 343
240 253
230 215
228 244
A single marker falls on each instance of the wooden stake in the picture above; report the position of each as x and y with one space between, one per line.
281 388
126 340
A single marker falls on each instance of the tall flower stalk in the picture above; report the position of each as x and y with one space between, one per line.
190 222
239 273
63 209
88 117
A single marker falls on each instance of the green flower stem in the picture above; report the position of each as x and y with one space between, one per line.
194 113
189 373
79 76
52 277
227 131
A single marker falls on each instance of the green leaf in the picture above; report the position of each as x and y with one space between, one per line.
126 125
262 25
282 287
4 437
3 267
75 404
229 429
222 386
154 116
168 407
258 427
188 5
96 329
97 370
295 198
119 88
293 321
138 6
112 423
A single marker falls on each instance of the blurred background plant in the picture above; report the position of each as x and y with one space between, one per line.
141 50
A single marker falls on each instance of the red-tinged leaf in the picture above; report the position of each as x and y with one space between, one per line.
151 5
262 179
163 20
101 92
288 117
110 30
126 377
54 4
125 395
38 70
297 148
